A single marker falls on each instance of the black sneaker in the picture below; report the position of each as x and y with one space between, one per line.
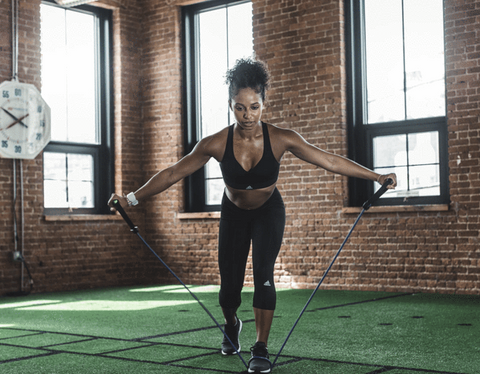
259 363
233 332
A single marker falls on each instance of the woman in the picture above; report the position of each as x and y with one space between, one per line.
249 153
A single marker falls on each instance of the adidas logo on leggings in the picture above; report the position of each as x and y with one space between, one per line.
267 284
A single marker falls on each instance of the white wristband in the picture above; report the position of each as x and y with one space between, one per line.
131 199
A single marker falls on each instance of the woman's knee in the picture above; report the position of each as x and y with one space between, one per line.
265 296
230 299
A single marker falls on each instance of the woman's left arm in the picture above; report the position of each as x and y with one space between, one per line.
302 149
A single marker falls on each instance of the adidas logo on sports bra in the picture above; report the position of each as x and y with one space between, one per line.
249 188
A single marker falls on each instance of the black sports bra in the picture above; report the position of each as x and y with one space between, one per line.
263 174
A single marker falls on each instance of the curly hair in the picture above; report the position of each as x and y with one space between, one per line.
248 73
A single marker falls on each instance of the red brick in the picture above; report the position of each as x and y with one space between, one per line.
302 42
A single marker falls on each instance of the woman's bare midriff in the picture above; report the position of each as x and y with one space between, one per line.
249 199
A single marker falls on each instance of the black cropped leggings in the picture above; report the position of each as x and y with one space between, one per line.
263 227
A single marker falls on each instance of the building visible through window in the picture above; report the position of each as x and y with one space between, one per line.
75 83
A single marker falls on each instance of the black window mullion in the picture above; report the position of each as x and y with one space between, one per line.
194 186
356 91
66 177
103 163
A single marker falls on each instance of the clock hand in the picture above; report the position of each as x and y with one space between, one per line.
15 118
18 120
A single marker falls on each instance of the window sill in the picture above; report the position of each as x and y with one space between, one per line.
398 209
203 215
84 217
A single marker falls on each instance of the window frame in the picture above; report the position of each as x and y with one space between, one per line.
360 134
102 153
195 189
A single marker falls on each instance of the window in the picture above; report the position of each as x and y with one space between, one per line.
396 89
76 83
216 35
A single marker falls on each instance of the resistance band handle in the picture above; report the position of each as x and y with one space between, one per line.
367 204
119 208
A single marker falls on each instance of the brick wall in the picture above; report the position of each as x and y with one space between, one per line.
82 252
461 234
303 44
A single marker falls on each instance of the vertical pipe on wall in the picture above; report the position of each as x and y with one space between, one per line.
14 39
22 212
15 221
15 236
15 78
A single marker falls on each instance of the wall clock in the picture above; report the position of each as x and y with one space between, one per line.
25 122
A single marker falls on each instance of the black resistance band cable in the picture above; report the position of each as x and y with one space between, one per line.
366 206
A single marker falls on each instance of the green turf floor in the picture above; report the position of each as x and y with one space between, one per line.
162 329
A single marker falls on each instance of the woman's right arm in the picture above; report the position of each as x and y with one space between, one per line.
171 175
165 178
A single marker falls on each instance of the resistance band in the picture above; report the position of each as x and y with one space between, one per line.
134 229
366 205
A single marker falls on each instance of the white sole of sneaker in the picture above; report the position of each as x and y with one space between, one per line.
263 372
233 353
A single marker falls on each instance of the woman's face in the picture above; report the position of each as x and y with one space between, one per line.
247 106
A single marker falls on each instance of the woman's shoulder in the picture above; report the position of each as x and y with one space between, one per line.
214 144
220 135
281 133
282 139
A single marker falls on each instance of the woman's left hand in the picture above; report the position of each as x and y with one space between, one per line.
382 178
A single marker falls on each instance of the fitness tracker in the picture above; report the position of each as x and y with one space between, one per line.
131 199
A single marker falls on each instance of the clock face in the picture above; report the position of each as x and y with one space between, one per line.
24 121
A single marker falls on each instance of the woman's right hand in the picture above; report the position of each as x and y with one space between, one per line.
122 200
